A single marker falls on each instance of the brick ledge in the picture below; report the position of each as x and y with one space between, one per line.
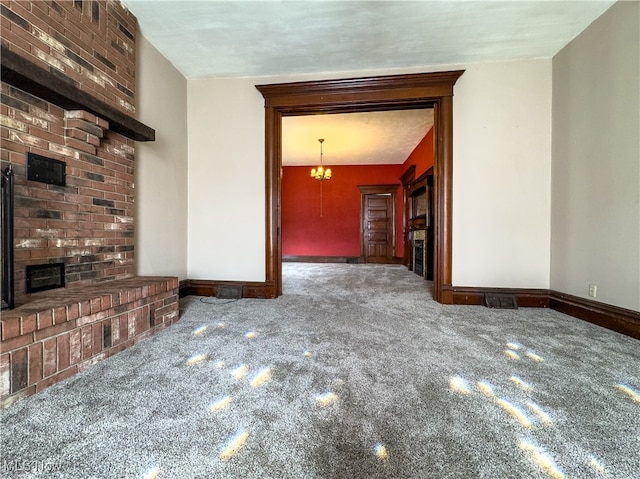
67 330
65 304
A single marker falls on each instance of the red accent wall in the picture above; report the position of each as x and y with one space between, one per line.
422 155
337 231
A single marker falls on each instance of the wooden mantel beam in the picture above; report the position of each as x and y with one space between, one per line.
27 76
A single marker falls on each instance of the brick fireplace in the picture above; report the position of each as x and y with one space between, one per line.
86 224
67 99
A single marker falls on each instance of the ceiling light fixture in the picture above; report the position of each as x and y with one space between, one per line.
320 173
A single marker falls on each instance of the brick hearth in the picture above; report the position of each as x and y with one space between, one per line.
66 330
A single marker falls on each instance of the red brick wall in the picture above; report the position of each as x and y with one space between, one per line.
89 43
87 224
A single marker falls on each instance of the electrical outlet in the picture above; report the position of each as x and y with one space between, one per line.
593 290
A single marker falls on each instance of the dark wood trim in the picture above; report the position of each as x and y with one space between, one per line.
526 298
408 176
322 259
362 92
393 92
443 199
419 183
621 320
378 189
183 288
273 201
250 289
27 76
618 319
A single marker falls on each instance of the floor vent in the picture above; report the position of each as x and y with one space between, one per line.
229 292
500 301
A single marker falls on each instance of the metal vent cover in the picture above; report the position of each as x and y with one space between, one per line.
46 170
500 301
229 292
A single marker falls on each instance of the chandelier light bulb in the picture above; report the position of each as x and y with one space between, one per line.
320 173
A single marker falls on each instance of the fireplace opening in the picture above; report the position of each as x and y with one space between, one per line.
41 277
418 255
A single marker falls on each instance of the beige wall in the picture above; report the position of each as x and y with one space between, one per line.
161 166
226 181
502 175
595 221
502 138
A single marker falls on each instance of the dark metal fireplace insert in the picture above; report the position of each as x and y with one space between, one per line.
418 257
8 289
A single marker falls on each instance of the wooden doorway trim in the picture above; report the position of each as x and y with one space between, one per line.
389 190
394 92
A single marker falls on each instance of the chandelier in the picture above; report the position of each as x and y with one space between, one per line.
320 173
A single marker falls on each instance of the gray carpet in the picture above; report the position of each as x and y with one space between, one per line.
353 373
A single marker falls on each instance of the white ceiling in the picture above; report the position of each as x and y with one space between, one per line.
252 38
213 38
386 137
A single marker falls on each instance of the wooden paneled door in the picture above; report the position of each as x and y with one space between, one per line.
377 228
377 218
